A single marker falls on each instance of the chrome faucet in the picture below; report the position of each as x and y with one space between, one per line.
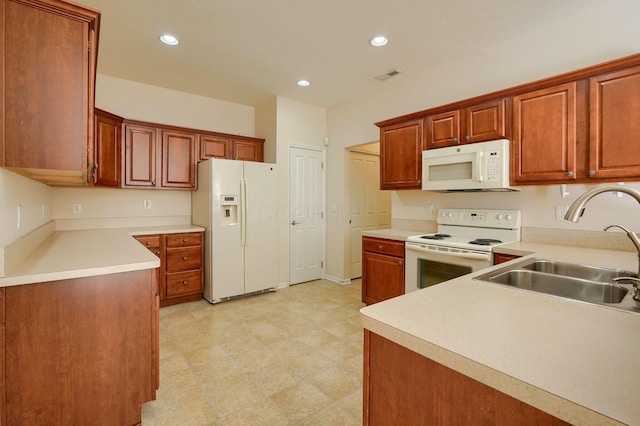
577 209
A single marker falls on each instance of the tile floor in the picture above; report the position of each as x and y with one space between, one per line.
290 357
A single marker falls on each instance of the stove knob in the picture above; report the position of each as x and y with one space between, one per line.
449 214
509 217
500 217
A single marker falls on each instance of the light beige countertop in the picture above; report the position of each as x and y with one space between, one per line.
84 253
574 360
390 234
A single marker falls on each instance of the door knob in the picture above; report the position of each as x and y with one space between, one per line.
293 222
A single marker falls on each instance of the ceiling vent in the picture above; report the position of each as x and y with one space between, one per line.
392 73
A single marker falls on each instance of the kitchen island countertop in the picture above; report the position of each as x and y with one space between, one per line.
573 360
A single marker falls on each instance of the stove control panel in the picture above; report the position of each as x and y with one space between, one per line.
501 219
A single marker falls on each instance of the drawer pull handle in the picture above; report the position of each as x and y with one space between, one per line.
185 282
184 240
184 258
148 243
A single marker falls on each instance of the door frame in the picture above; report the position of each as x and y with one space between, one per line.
323 222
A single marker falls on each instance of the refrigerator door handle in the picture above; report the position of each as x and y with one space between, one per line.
243 212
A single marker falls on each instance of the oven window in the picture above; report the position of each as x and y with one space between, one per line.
430 272
451 172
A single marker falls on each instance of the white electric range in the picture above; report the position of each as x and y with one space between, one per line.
463 243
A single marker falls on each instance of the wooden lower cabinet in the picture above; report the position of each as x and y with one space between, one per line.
181 273
382 269
80 351
501 257
402 387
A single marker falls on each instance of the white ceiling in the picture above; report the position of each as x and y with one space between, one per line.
247 51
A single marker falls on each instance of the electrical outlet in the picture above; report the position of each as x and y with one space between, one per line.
76 208
147 204
428 209
561 211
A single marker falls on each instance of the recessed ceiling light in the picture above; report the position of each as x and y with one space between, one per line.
378 41
169 39
303 83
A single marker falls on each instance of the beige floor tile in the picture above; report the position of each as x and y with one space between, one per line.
352 404
300 401
335 382
274 378
263 413
282 358
333 415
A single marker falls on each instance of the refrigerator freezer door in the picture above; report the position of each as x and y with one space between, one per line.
226 271
261 260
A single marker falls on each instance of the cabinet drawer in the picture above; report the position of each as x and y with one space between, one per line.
149 241
184 259
184 283
380 245
184 240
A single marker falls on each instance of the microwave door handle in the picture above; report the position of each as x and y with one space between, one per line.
479 159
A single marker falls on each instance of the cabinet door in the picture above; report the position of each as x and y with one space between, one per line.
544 140
443 129
214 147
178 159
382 277
247 151
401 155
501 258
47 88
614 151
106 169
486 121
140 156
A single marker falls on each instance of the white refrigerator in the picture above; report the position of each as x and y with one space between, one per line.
236 202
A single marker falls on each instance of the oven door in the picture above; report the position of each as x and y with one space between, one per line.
426 266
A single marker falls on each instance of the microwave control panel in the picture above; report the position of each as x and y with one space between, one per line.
492 163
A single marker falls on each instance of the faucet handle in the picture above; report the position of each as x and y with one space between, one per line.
634 281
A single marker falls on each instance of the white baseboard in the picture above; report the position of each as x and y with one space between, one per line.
336 279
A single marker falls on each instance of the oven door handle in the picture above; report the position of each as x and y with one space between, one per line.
467 255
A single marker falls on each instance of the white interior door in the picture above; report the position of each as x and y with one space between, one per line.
370 208
306 201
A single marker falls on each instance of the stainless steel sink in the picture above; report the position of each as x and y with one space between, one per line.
575 270
560 285
575 281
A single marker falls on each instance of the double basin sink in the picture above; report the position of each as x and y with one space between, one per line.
586 283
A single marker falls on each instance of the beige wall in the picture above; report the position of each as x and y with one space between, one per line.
601 32
35 200
138 101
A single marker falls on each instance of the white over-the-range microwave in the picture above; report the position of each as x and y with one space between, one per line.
482 166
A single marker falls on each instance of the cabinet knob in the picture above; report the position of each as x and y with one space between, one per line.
153 182
455 140
148 243
158 252
467 137
569 174
592 172
184 240
193 185
184 258
401 263
185 282
380 246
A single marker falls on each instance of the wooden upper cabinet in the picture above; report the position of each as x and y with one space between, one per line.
477 123
140 156
544 139
443 129
106 169
401 148
614 151
178 159
48 61
214 147
249 149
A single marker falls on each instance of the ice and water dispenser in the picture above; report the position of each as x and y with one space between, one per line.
229 207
